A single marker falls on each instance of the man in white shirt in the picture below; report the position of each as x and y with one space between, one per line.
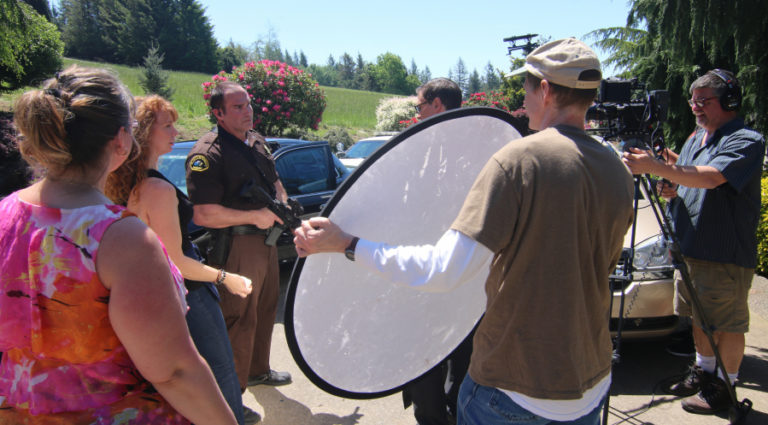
548 213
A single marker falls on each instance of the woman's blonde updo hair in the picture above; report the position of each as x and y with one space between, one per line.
68 123
121 182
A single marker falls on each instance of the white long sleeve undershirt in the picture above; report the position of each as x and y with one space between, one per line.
453 260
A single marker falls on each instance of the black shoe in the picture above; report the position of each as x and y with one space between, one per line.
692 383
714 397
250 417
273 378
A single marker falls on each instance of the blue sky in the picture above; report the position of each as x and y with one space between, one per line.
432 33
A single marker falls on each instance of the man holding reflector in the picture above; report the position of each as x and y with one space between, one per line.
547 214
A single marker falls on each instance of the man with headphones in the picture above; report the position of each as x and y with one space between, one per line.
714 203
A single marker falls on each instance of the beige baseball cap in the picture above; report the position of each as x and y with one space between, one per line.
562 62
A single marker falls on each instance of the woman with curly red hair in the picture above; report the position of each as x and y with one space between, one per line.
167 210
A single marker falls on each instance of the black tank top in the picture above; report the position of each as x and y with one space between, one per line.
185 216
186 212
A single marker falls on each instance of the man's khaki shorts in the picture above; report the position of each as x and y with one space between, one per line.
722 289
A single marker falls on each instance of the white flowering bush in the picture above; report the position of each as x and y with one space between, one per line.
393 113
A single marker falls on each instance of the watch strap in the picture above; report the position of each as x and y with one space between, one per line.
349 252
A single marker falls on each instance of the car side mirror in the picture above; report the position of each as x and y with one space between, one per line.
341 154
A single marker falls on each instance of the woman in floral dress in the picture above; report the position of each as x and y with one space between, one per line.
91 310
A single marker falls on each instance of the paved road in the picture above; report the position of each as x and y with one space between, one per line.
635 397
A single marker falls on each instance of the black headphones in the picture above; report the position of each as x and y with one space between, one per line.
730 100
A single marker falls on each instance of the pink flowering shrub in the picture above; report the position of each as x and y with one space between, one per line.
493 99
281 95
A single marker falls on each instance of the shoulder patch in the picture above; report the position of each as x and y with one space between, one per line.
198 163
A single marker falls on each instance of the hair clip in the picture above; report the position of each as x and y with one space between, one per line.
54 92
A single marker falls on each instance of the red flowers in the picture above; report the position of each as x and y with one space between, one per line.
493 99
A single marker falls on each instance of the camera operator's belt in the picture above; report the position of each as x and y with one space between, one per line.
248 229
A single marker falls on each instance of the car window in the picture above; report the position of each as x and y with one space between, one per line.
304 171
363 149
172 166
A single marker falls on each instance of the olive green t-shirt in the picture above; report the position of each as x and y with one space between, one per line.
554 208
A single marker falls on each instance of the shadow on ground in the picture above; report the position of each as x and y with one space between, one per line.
281 410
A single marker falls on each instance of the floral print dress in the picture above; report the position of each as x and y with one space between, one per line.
62 362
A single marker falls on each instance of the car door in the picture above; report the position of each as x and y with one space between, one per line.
309 175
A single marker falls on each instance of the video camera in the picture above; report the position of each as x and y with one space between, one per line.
632 122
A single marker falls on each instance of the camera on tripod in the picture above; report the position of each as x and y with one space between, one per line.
630 121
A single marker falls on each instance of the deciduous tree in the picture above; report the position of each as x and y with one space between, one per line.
391 75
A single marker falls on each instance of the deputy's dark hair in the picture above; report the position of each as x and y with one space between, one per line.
69 122
566 96
447 90
217 93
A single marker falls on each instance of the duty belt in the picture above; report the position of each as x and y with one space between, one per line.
248 229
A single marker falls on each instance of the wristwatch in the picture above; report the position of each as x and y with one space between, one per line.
349 252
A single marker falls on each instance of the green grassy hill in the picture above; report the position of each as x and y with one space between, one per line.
353 110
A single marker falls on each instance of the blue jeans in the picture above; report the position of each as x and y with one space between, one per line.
206 326
481 405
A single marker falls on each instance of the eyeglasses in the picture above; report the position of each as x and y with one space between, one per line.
700 103
421 105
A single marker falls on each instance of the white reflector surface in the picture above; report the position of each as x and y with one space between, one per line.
355 334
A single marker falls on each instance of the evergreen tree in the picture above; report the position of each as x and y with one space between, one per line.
346 67
492 78
288 58
425 75
366 79
460 75
414 68
113 18
139 32
197 44
123 30
153 79
475 84
82 30
667 52
42 7
30 46
303 59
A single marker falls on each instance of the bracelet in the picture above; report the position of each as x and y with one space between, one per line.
221 276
